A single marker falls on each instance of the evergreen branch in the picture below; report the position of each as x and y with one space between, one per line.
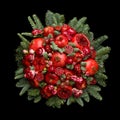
80 23
79 101
59 18
27 34
33 92
73 22
37 99
23 38
85 29
103 51
19 71
50 19
100 77
102 58
33 25
19 76
38 22
97 42
55 102
70 100
22 82
94 87
24 89
85 96
90 35
93 92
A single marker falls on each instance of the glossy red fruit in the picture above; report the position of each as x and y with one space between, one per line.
36 43
58 59
80 40
61 41
91 67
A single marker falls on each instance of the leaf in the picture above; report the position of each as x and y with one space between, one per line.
73 22
24 89
80 23
30 97
50 19
55 102
90 35
79 101
70 100
23 39
85 96
19 71
38 22
103 51
85 29
33 92
59 18
94 93
37 99
94 87
19 76
22 82
97 42
33 25
27 34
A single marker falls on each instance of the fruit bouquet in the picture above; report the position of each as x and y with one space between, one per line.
60 63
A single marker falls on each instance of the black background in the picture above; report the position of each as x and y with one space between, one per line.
102 18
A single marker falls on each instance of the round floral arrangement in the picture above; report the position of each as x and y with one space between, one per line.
61 63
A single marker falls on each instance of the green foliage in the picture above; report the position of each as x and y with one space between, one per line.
101 78
97 42
24 89
85 96
94 91
55 102
79 101
73 22
19 71
54 19
70 100
103 51
34 94
19 76
29 34
22 82
35 22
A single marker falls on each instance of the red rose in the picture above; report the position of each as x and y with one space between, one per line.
64 92
48 91
51 78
